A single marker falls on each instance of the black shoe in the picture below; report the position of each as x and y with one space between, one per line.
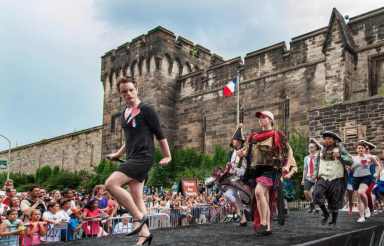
262 230
334 219
267 233
311 208
143 221
243 224
148 239
325 219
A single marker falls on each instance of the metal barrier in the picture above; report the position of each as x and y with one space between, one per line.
99 227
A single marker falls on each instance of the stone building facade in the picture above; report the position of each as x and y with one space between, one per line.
79 150
328 67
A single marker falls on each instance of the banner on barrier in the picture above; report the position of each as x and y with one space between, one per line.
189 187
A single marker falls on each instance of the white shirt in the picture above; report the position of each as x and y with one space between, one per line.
122 228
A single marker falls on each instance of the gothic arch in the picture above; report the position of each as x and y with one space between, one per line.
187 69
178 69
134 69
168 63
141 65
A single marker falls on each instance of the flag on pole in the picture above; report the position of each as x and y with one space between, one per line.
230 88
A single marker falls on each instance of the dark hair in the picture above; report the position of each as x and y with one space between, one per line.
52 204
90 202
11 211
64 201
34 187
362 145
125 80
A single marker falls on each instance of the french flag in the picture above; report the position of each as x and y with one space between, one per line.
230 88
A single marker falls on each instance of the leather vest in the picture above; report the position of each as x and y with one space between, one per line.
263 154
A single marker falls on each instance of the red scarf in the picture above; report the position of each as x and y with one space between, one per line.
261 136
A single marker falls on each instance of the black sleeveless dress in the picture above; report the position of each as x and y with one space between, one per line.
139 135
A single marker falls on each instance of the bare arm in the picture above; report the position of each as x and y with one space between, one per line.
164 148
117 154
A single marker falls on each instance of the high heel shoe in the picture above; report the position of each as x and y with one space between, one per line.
148 239
143 221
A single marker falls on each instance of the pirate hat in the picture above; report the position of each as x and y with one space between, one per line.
315 142
332 135
238 135
367 144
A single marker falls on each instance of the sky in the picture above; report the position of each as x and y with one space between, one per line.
50 50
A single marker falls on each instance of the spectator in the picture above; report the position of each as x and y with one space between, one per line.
92 215
10 229
44 195
3 207
8 184
64 215
15 205
99 194
54 221
10 192
36 229
111 209
75 225
33 201
69 194
56 196
123 226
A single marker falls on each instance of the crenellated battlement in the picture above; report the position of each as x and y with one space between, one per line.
149 52
210 80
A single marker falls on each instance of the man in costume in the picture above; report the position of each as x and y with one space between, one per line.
309 177
269 158
234 172
331 176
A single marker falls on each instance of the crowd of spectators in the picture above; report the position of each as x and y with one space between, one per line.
37 216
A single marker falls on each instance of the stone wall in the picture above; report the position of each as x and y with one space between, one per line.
75 151
355 120
326 66
155 60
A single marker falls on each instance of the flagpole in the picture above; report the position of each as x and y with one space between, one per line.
238 97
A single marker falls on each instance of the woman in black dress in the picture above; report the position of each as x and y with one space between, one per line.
140 124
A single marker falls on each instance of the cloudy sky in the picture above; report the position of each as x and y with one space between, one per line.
50 50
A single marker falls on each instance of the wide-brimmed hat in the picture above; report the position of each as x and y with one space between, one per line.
265 113
367 144
332 135
315 142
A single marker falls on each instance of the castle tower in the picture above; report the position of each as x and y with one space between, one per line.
155 60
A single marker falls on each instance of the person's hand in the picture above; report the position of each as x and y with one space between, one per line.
165 161
112 156
302 182
336 153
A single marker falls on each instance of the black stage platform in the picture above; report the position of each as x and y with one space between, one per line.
301 228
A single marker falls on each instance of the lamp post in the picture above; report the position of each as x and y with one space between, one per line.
9 154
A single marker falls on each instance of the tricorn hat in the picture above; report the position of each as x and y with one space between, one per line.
367 144
238 135
332 135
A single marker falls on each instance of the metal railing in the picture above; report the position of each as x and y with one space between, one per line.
100 227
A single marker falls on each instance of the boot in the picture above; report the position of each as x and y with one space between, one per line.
311 207
325 214
334 218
